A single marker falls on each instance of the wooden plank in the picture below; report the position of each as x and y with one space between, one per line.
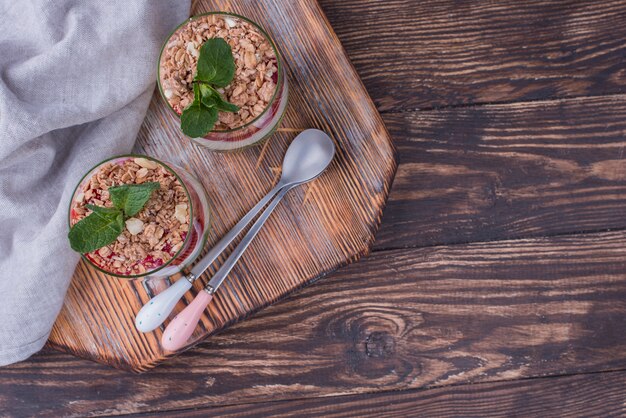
431 53
403 319
507 171
597 394
318 227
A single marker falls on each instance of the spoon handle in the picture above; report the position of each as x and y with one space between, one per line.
182 326
180 329
219 248
154 313
221 274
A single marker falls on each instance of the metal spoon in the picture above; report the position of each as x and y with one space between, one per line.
307 156
308 161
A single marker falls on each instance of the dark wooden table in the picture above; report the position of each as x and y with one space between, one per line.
497 285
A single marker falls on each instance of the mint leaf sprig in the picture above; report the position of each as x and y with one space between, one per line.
216 68
104 225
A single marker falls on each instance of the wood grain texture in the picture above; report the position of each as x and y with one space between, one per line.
432 53
507 171
599 395
402 319
375 337
319 227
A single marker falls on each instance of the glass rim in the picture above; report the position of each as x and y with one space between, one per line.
279 68
191 211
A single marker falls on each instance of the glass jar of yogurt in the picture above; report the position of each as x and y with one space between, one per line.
259 86
166 236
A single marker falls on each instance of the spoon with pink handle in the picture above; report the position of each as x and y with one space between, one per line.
303 162
154 313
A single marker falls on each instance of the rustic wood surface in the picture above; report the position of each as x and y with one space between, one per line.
431 53
401 319
600 393
507 171
320 226
498 279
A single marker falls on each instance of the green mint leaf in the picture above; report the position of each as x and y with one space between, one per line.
197 119
212 98
102 210
216 68
216 64
197 93
204 94
100 228
225 106
131 198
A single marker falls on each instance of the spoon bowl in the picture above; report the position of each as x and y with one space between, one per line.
307 157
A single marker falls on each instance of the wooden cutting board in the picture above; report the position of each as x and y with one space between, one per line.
317 228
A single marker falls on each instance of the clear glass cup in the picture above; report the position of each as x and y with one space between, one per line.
194 240
255 131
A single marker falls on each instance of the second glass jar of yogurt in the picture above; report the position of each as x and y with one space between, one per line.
166 236
259 86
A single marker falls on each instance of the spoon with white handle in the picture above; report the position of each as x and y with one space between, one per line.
153 313
294 171
308 161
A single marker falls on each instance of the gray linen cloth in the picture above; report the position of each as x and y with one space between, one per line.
75 81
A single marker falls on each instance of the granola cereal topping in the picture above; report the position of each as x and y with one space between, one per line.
153 236
256 65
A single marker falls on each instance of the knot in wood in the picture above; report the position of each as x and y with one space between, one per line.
379 344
